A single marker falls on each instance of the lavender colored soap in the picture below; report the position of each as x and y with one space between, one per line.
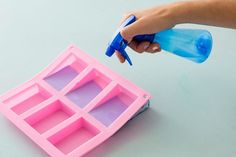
61 78
84 94
109 111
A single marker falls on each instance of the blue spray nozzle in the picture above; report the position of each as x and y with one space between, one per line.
118 43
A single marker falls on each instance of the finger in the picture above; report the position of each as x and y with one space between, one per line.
120 57
153 48
139 47
136 28
133 45
142 46
126 16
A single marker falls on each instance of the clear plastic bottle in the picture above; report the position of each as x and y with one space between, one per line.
192 44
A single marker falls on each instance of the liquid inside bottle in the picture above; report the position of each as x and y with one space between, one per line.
192 44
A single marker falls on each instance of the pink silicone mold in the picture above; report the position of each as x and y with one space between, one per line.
73 105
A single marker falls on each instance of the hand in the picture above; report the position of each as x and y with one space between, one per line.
209 12
148 21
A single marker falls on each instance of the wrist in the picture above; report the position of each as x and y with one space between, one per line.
174 13
179 12
189 11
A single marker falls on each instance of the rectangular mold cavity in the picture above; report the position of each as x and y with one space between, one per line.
73 136
27 99
50 116
88 88
66 72
113 105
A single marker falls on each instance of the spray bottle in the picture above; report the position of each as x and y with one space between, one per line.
192 44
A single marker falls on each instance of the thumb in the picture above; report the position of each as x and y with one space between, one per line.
136 28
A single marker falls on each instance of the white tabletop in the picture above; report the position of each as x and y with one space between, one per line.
193 106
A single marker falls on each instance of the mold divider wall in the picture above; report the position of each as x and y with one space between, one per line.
29 91
83 149
95 122
63 125
50 116
71 105
101 96
113 91
38 107
74 135
80 77
48 87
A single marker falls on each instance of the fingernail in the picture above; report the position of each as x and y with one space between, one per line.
145 47
155 48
